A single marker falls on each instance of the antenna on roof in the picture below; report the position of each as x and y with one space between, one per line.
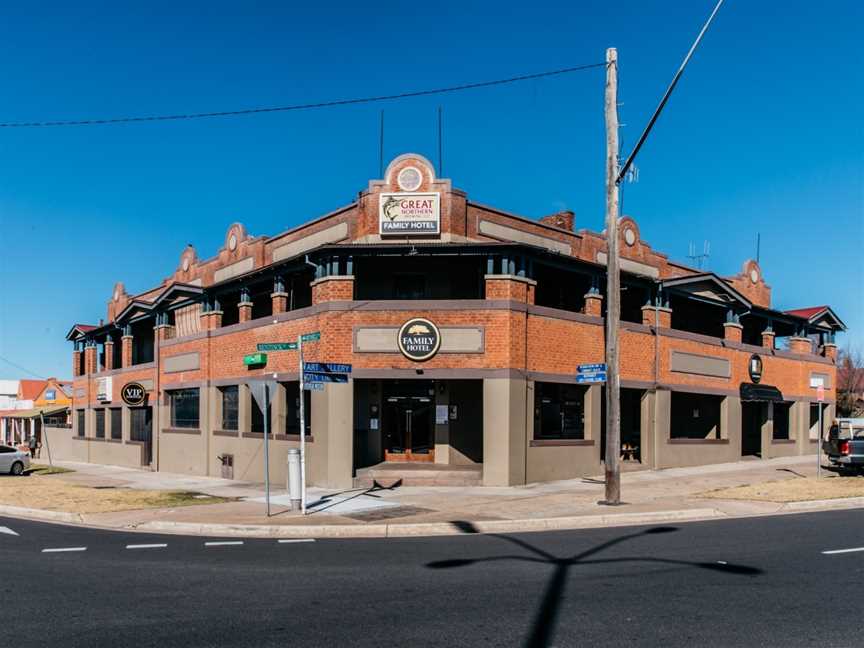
440 143
758 245
699 259
381 146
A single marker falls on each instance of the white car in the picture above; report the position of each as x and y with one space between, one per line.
13 461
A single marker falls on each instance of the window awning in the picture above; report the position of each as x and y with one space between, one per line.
760 393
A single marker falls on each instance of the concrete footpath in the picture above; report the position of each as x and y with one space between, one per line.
649 496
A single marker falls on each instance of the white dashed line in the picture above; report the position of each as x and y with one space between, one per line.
842 551
293 540
722 562
146 546
223 543
62 549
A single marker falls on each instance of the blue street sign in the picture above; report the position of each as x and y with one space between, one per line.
324 377
591 368
599 377
313 387
326 367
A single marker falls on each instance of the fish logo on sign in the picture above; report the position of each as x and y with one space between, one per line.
418 339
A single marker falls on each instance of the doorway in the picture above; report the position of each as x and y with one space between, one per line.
751 429
141 429
408 420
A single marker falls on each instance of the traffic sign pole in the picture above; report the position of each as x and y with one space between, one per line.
267 445
302 428
820 391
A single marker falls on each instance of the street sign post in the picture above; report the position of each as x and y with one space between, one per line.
820 398
277 346
304 337
261 393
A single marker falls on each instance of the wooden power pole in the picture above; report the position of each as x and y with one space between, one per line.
613 287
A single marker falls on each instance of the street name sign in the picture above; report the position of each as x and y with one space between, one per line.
327 367
277 346
315 386
308 337
255 359
598 367
324 377
599 377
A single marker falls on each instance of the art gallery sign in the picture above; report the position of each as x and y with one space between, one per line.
409 214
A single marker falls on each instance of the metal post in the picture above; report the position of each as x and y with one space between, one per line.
819 445
45 436
302 428
267 446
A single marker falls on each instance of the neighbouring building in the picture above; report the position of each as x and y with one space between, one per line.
34 402
465 327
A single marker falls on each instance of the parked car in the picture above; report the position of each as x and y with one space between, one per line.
13 461
845 443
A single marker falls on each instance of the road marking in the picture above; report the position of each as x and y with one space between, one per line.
146 546
842 551
722 562
292 540
7 531
223 543
61 549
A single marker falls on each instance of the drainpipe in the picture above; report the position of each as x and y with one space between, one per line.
156 433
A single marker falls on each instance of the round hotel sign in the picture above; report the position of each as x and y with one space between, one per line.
419 339
133 394
755 368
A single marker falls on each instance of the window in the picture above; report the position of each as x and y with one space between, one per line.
292 409
116 423
184 408
695 416
230 407
559 411
82 425
100 423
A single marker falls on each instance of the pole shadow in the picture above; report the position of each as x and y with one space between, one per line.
545 620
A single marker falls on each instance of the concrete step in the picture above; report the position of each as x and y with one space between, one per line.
419 475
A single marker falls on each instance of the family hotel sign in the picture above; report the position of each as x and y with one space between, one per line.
409 214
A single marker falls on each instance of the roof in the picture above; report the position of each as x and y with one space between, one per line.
30 389
34 412
78 330
713 287
814 313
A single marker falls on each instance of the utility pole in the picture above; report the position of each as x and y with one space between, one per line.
613 287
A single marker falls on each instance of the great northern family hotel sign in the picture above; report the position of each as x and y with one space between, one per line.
409 214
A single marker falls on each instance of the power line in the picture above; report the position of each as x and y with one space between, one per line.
307 106
24 369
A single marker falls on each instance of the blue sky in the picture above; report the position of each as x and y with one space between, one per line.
763 134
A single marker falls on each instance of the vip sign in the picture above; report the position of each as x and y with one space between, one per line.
409 214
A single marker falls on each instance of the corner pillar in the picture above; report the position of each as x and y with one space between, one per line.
504 431
330 456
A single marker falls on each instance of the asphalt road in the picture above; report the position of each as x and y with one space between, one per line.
751 582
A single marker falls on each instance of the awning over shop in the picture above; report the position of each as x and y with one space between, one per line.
760 393
36 412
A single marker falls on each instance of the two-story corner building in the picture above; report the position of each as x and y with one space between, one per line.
465 326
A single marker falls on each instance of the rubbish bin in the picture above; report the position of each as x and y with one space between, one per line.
227 461
294 486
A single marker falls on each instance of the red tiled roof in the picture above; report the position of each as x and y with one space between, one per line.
30 389
806 313
84 328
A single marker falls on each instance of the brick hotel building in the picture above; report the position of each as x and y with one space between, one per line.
465 326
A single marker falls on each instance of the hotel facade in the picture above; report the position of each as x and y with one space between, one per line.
465 327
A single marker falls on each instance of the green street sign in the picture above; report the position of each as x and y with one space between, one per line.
255 359
307 337
277 346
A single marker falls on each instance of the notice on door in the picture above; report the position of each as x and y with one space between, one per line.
409 214
441 414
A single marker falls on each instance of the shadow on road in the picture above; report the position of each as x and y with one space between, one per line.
543 627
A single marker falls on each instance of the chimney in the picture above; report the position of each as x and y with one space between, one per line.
562 220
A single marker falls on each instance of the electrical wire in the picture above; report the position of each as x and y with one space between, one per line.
307 106
24 369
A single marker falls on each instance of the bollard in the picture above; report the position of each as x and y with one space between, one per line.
294 478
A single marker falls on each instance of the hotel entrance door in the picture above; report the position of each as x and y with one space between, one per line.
409 419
